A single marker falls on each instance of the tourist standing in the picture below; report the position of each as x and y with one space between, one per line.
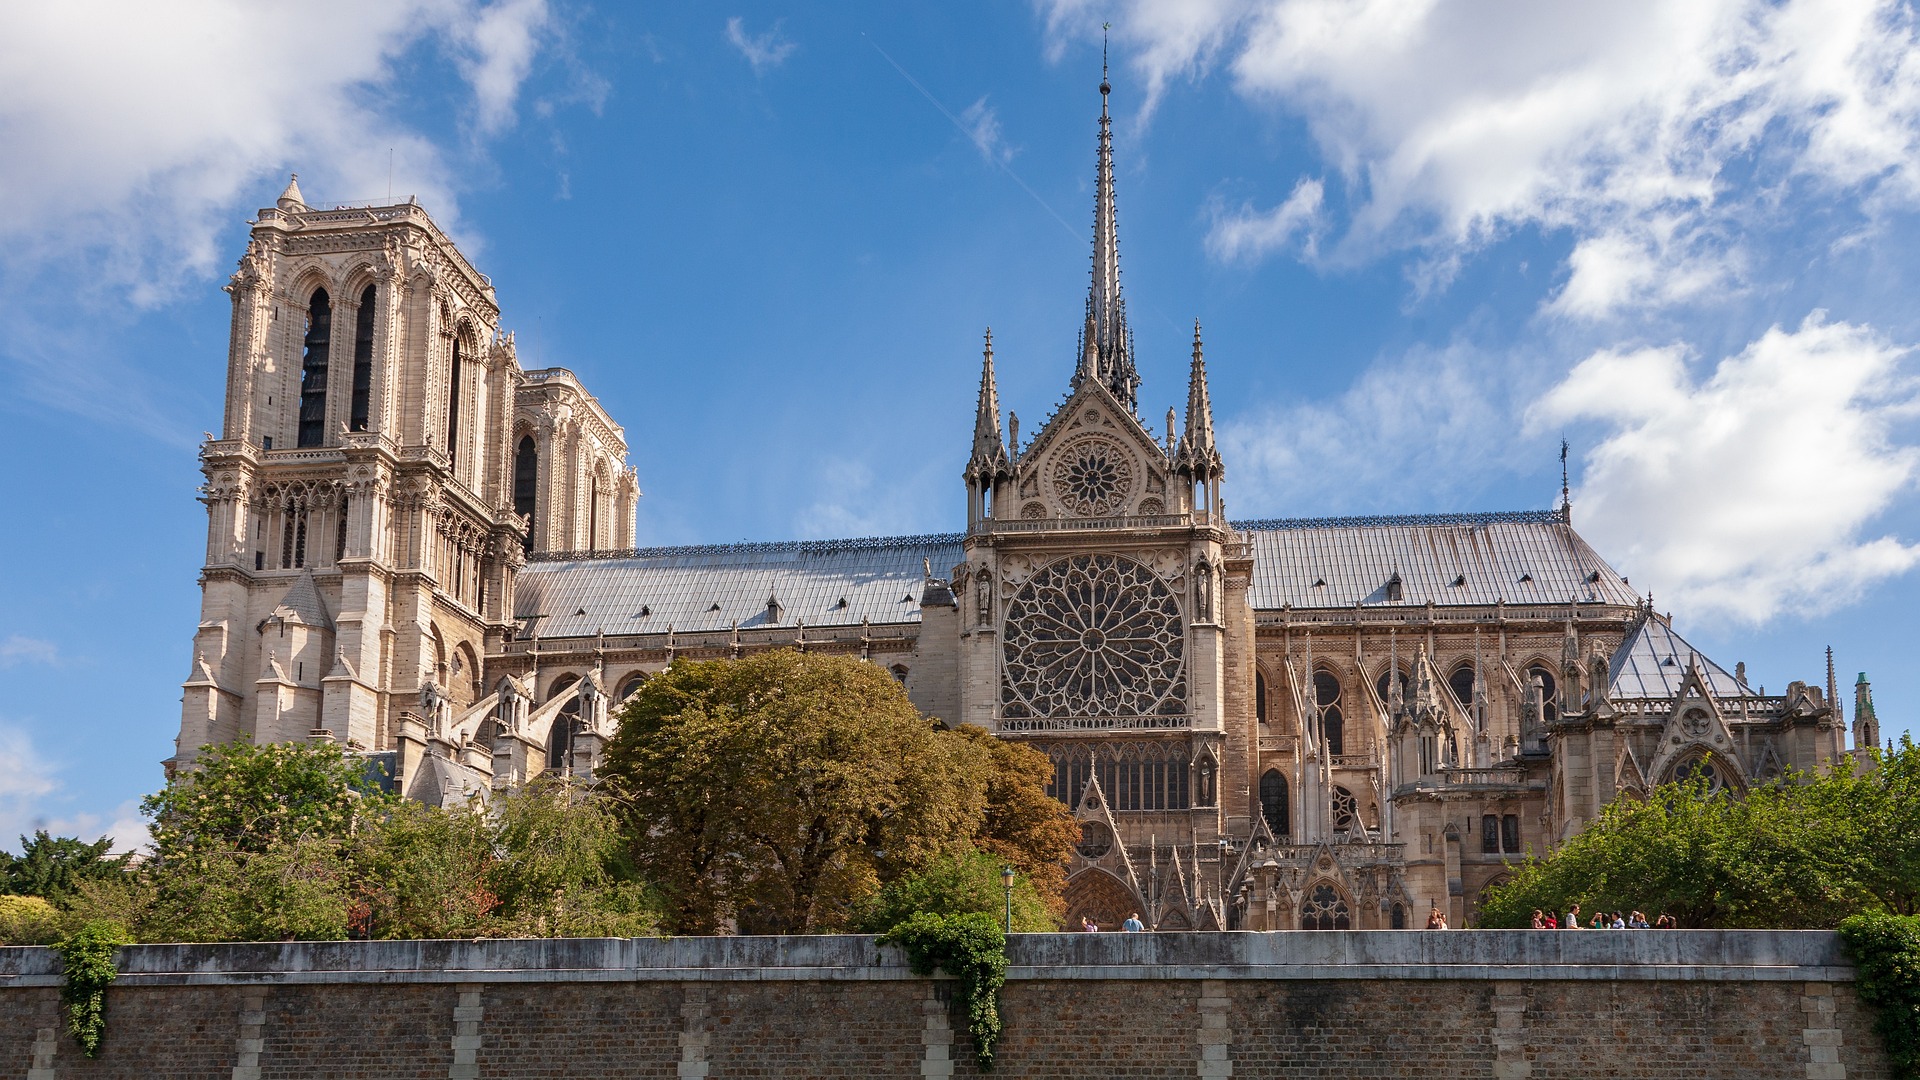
1133 925
1572 921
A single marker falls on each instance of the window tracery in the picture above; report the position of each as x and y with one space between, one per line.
1094 636
1326 693
1274 805
1325 909
359 408
1148 775
1346 810
1093 477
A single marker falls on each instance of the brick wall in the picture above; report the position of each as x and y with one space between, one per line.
1453 1005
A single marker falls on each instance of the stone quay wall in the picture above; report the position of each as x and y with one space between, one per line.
1442 1004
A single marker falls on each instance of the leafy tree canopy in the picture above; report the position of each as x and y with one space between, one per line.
1804 852
964 883
776 792
52 867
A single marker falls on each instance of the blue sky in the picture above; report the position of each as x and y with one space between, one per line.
1425 240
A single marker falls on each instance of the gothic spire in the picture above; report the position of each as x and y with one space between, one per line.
1199 454
1106 346
989 454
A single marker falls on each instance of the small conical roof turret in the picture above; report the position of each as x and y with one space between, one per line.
989 459
290 200
1199 454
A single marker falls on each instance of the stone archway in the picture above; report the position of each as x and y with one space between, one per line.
1097 894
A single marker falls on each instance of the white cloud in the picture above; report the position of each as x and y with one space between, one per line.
1754 491
1423 428
763 51
125 824
20 649
982 125
1619 123
24 783
1248 235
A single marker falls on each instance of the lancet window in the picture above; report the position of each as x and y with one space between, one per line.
359 407
526 477
1260 697
1326 692
1549 692
1274 805
560 739
1325 909
313 370
1135 776
453 402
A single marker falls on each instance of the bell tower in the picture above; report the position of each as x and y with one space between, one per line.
360 537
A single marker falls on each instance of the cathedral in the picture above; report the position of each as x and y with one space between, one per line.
420 549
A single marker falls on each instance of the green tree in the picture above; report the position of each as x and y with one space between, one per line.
963 883
1023 825
52 867
1805 851
777 791
247 799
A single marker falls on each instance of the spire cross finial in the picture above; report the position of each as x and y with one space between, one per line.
1104 85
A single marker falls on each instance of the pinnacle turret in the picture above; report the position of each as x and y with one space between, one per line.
1199 455
291 200
989 460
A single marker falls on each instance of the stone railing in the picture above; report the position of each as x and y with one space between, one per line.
1149 521
1095 723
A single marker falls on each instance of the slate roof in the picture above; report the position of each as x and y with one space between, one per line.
1653 660
1525 557
302 603
710 587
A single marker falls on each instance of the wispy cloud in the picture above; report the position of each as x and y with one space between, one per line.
1752 491
982 125
1623 125
1243 234
18 649
763 51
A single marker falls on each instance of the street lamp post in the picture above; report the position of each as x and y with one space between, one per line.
1006 884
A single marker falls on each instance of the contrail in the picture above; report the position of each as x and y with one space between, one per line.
962 129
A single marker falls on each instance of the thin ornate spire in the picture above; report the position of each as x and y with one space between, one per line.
1107 347
1199 454
989 454
1566 491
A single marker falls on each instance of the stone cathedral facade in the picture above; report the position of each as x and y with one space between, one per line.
420 549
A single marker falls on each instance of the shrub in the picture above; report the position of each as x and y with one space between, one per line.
87 960
960 884
28 920
1886 949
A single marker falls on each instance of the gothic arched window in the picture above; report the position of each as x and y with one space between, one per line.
560 739
453 401
1549 692
1273 803
1326 692
526 479
631 686
362 362
1260 697
1325 909
1490 834
313 370
1461 683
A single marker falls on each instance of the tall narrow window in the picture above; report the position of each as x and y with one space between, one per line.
1274 805
1549 692
1490 834
453 403
1326 691
313 370
560 738
340 542
1260 697
1510 834
593 516
526 478
362 362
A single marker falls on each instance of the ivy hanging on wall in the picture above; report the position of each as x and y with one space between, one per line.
1886 951
86 958
971 948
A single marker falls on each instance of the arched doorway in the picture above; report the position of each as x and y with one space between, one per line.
1100 896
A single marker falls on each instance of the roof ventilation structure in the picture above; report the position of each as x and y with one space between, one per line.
1526 579
1319 583
1396 590
1458 581
715 607
644 612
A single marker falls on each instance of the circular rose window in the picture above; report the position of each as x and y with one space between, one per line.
1093 636
1093 477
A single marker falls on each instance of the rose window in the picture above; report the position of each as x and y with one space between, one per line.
1094 636
1093 477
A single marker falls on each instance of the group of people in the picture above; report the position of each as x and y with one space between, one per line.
1132 925
1630 920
